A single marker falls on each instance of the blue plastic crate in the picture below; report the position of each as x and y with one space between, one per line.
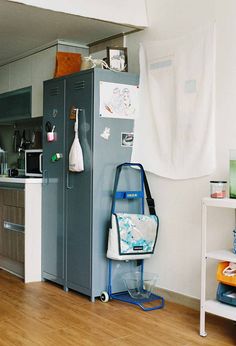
226 294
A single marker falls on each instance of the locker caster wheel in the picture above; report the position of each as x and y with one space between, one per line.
104 297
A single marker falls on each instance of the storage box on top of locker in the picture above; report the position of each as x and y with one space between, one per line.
76 206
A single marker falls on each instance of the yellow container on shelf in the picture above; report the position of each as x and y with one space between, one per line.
228 280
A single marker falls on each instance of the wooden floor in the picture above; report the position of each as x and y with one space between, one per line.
43 314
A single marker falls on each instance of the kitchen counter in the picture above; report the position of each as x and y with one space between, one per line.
17 180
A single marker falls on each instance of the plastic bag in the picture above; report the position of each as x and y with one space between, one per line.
76 161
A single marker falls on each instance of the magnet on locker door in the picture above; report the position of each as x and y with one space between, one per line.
52 135
55 157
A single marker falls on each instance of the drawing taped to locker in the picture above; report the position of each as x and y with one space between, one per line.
118 100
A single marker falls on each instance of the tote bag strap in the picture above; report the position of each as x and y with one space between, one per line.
149 199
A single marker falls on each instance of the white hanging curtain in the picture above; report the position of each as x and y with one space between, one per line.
174 133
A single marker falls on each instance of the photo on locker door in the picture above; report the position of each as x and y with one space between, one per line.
127 139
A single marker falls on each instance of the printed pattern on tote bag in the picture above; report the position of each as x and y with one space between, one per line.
136 232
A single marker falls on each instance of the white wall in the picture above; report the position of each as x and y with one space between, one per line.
177 259
115 11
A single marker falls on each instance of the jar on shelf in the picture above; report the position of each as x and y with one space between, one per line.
234 241
218 188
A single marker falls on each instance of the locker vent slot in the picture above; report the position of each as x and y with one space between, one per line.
54 91
79 85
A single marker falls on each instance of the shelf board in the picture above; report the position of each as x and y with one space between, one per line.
219 202
222 255
224 310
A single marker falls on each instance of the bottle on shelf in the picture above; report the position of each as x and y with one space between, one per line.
234 241
232 174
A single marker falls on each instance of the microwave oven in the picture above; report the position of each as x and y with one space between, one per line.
33 163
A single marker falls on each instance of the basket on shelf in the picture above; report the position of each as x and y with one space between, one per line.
228 280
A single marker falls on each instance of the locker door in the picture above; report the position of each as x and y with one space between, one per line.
53 183
79 188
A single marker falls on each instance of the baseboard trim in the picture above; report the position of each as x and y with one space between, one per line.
179 298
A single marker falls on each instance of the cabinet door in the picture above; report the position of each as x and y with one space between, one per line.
43 67
1 223
1 231
4 79
53 206
15 104
12 224
13 233
78 192
13 197
20 73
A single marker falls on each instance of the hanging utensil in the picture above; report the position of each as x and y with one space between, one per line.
16 141
14 147
48 126
33 138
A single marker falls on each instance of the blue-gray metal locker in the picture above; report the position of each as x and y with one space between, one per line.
83 199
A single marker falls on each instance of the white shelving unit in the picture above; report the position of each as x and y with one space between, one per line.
213 306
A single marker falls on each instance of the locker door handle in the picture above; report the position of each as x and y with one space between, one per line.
68 186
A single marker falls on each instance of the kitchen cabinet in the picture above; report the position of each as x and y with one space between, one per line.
15 105
13 222
213 306
4 79
43 66
25 74
20 227
12 228
20 75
